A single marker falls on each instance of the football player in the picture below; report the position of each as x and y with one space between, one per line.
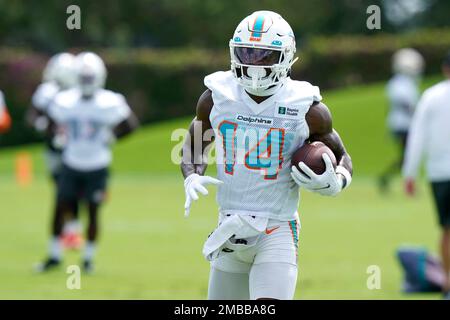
5 119
58 75
428 141
403 93
89 119
259 117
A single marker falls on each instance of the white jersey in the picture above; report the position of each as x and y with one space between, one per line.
254 145
44 95
403 94
430 132
88 125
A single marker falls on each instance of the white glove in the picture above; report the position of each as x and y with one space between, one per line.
196 183
326 184
59 140
41 123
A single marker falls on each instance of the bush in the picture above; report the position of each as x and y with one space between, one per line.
166 83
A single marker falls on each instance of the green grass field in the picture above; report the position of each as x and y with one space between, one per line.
148 250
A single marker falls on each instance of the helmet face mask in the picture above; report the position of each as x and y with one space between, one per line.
87 83
91 73
261 59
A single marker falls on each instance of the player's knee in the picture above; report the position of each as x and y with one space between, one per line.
97 198
273 281
64 205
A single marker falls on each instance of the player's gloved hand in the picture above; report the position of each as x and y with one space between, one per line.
41 124
326 184
196 183
59 140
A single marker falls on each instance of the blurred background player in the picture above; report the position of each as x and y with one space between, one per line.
5 119
429 137
89 119
59 75
403 93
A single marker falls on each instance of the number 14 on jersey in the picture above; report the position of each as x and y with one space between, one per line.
266 155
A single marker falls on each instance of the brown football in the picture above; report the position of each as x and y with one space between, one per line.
311 155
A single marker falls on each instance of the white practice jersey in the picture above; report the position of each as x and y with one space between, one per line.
429 135
44 95
254 145
2 103
88 125
403 94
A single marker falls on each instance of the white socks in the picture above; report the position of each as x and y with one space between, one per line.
55 249
89 251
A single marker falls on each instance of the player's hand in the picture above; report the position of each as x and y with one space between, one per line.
410 187
59 140
41 124
326 184
196 183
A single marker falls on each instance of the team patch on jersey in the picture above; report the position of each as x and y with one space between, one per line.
286 112
252 119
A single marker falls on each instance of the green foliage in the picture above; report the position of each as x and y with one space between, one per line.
163 23
162 84
205 23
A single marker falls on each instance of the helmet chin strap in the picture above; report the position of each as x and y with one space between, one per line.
264 92
257 73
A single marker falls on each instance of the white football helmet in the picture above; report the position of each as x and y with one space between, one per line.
61 70
408 61
91 72
262 52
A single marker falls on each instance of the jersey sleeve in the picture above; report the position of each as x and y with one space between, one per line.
119 111
56 110
315 92
43 96
415 146
222 86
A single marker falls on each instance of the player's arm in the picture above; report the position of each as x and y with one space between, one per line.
5 119
194 161
126 127
415 146
36 119
332 181
321 129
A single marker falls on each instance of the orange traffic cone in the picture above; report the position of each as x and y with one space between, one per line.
24 169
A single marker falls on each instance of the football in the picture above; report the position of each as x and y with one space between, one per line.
311 155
